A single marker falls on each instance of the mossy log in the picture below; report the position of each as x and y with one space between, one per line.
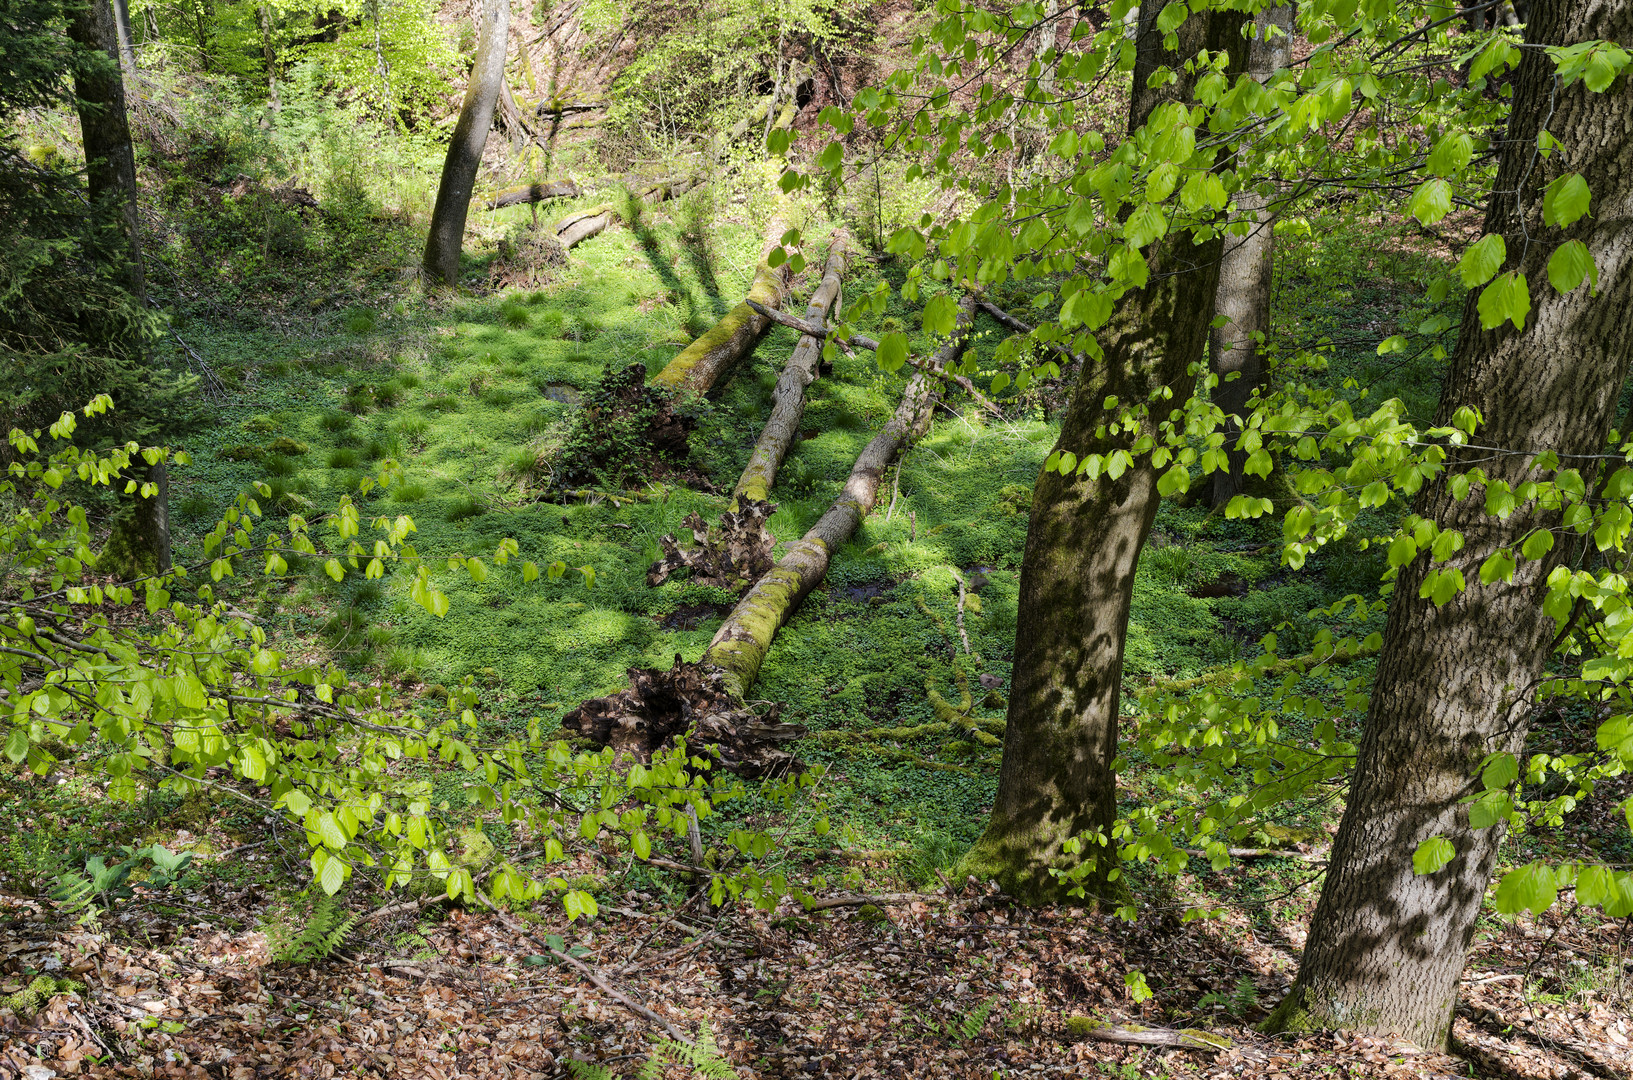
574 229
740 645
673 188
788 399
535 193
696 367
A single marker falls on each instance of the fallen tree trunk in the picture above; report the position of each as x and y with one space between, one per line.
740 645
703 702
696 367
535 193
673 188
933 366
789 397
574 229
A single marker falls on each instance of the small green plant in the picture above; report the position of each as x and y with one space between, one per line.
463 507
442 403
1239 1002
101 884
32 998
1170 565
359 321
514 315
701 1057
964 1028
343 458
303 930
333 420
551 324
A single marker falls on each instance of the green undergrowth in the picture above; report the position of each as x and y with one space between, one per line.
475 397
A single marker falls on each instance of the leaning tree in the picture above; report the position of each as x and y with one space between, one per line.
446 237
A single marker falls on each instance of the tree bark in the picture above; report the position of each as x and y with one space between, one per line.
1454 683
1246 270
535 193
127 48
574 229
740 645
263 15
696 367
789 396
142 534
1084 540
470 138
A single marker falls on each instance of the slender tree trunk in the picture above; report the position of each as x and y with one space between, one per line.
1084 540
269 56
127 48
470 138
740 645
110 170
696 367
1246 271
789 397
1454 683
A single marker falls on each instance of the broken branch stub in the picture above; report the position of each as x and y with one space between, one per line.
734 558
693 702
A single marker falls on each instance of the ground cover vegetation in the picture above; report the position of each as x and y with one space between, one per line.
1159 611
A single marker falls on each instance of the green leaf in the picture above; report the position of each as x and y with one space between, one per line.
478 571
1595 886
1507 298
296 802
333 876
1570 264
892 352
334 569
1402 551
1431 201
1532 888
1451 154
1433 854
1499 772
1482 260
328 828
1537 544
17 745
1498 567
1171 17
1565 200
189 691
940 315
578 904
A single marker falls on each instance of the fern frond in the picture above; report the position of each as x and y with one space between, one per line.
300 937
589 1070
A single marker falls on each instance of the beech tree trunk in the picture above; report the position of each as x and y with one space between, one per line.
696 367
789 396
142 535
470 138
740 645
1246 271
1084 540
1454 683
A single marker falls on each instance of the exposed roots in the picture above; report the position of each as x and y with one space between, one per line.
736 556
688 701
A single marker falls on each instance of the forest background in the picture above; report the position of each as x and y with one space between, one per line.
282 338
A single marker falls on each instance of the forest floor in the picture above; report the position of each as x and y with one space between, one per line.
476 398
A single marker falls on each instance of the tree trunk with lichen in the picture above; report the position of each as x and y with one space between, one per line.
1083 544
1455 682
788 399
446 236
696 367
140 543
740 645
